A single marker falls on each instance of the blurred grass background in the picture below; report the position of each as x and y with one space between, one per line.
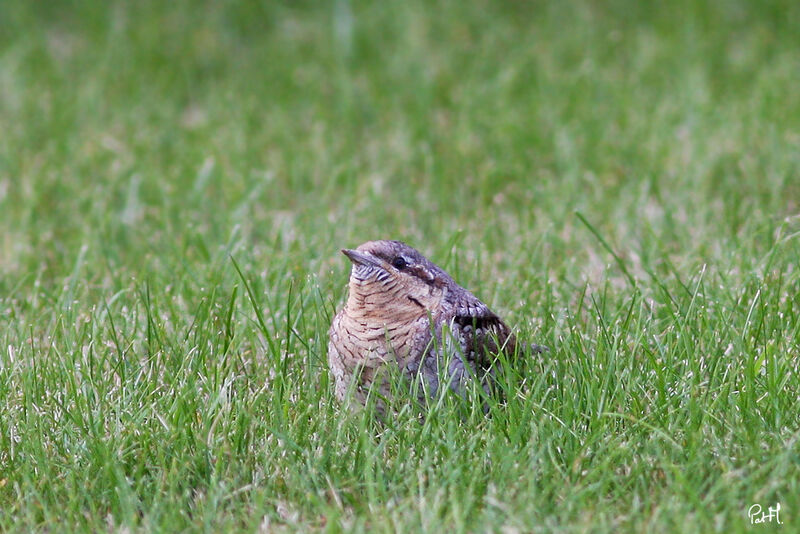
144 144
158 129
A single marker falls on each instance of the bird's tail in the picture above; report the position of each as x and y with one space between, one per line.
533 348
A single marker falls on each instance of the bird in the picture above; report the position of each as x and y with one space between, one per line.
406 316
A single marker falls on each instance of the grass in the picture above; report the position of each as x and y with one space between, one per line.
620 180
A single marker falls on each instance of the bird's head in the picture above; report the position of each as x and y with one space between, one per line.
391 277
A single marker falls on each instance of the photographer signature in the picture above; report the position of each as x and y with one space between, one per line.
757 516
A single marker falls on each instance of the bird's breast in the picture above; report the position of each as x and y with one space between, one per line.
363 339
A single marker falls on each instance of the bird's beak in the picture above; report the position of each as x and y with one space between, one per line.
360 258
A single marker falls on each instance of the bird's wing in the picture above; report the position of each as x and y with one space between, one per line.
485 334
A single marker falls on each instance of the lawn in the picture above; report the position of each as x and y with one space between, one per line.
619 180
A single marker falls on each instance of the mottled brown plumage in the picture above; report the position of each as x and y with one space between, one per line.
406 314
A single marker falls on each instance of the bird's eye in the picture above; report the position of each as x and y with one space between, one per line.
399 263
